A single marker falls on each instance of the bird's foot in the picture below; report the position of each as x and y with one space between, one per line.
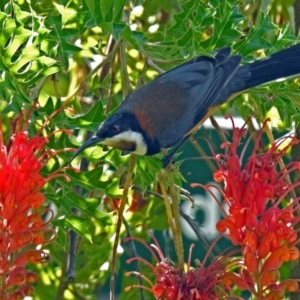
167 160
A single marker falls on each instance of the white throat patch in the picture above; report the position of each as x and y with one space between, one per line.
125 137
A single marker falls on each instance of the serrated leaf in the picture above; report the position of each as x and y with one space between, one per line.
91 5
18 37
143 178
62 36
255 39
90 180
27 55
106 9
107 27
91 120
139 37
182 17
121 28
88 206
67 14
118 9
12 106
61 239
153 163
81 226
186 38
19 52
226 20
95 11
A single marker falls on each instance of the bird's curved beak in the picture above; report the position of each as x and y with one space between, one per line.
92 141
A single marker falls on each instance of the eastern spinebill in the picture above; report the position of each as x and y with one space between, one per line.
165 112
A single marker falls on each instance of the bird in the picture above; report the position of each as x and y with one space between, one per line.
165 112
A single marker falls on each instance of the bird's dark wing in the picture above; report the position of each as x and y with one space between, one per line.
171 105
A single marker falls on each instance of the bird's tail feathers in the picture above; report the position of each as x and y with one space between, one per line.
283 64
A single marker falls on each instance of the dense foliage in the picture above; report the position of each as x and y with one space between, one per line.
80 59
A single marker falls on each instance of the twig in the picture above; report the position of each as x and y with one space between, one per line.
197 230
135 254
202 153
119 224
109 57
72 255
154 66
105 69
36 91
176 217
185 194
126 87
218 129
161 181
63 282
193 223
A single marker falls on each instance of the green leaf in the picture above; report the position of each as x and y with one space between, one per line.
255 39
67 14
89 180
118 6
91 120
186 38
106 9
87 206
182 19
81 226
121 28
19 52
61 37
226 20
15 40
147 169
61 239
95 11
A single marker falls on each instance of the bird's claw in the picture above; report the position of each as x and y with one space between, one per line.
167 160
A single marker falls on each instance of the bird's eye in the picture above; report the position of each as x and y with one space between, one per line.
116 129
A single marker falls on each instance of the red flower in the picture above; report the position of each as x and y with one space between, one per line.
22 226
256 222
172 283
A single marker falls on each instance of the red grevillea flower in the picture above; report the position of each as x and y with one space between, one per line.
22 226
171 283
257 221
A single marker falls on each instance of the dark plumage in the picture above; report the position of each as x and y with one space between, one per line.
163 113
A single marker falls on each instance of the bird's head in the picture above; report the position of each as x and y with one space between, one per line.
121 131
